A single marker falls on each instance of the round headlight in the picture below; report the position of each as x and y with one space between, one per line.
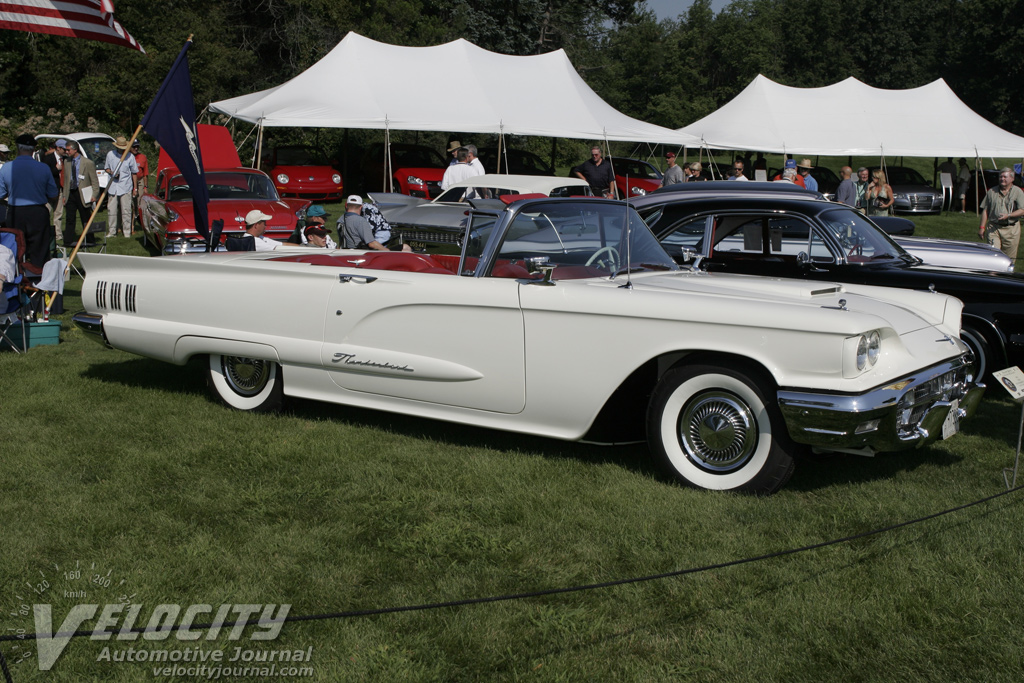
862 352
282 178
336 179
874 347
638 191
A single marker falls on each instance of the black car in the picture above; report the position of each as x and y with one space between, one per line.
989 178
794 235
514 162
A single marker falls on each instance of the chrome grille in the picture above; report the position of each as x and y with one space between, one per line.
918 400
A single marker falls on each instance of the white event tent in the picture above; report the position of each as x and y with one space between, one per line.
852 118
455 87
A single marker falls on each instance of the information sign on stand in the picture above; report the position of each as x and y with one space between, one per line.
1012 379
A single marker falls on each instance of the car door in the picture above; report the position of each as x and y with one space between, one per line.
427 337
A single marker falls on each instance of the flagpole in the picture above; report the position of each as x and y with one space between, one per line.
96 208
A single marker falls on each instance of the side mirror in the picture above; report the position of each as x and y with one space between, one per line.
541 264
802 259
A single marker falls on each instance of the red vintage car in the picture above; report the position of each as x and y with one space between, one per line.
634 177
301 171
167 215
416 170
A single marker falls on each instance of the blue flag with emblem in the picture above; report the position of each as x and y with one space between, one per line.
171 119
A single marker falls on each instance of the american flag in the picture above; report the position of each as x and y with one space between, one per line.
88 19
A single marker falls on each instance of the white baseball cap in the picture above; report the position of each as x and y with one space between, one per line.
353 199
4 148
255 216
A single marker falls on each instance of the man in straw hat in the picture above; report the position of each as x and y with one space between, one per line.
121 188
804 169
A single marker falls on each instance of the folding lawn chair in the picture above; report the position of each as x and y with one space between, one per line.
14 296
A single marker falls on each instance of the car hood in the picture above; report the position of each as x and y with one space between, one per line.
424 173
282 214
865 307
914 189
316 171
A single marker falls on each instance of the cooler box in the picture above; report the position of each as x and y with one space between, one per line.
36 334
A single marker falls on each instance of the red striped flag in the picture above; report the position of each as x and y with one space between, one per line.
88 19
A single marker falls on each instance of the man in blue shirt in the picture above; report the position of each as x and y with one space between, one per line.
804 169
28 185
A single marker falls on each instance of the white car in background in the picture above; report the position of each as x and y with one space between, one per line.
443 220
94 146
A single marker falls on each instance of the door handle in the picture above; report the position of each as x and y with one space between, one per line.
349 278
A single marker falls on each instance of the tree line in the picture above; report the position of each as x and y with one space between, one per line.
669 72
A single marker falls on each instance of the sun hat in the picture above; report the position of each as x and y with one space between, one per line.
121 142
62 143
670 155
255 216
454 145
805 163
790 163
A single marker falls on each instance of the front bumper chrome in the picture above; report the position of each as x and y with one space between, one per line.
906 413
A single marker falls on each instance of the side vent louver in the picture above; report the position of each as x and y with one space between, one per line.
108 295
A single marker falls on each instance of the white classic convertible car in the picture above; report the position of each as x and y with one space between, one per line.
563 318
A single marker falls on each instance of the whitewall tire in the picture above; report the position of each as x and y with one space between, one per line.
246 383
714 428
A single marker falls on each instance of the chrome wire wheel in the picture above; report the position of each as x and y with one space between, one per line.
246 383
246 376
718 431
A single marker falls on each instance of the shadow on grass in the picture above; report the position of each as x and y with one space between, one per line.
811 473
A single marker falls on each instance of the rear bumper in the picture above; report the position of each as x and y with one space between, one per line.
92 325
907 413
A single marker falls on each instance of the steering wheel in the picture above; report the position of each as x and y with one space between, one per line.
611 263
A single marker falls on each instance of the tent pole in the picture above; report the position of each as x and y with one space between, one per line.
389 181
501 146
554 144
259 146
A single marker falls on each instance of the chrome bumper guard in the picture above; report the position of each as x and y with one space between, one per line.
92 325
907 413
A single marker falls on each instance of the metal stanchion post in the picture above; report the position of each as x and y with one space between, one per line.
1012 483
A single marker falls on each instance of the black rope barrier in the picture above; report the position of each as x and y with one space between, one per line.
529 594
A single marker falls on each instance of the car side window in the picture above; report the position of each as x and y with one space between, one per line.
791 235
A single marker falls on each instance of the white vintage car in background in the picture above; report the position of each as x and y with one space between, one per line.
563 318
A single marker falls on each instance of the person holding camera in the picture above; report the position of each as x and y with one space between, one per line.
879 197
1000 214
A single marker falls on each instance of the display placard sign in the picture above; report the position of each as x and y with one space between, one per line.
1011 379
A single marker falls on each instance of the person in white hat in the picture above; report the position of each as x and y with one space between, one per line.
255 226
355 231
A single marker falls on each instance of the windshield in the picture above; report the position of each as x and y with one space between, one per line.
904 176
299 156
227 185
862 240
413 157
96 149
635 168
581 240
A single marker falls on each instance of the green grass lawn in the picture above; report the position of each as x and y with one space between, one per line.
126 468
